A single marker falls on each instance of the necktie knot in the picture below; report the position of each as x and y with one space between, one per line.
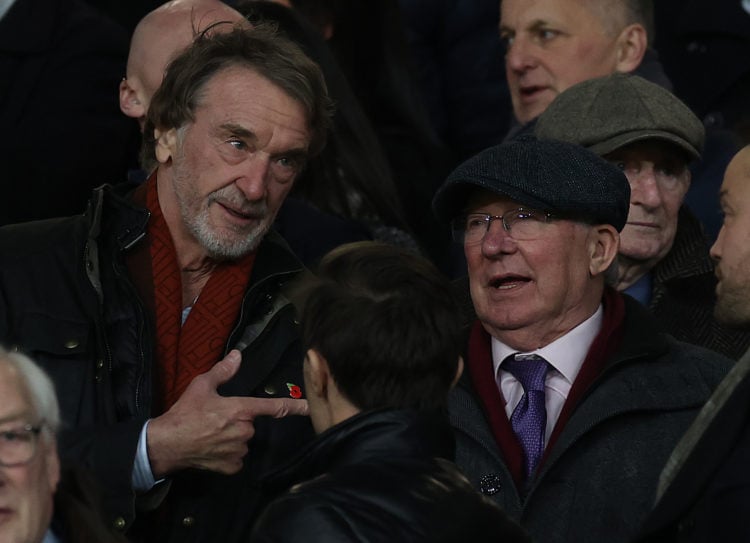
529 369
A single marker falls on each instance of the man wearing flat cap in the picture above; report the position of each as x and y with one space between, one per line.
571 400
663 259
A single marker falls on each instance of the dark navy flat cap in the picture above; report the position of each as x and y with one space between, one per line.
553 176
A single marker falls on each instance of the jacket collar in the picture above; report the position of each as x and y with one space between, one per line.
647 364
379 434
111 209
688 256
623 386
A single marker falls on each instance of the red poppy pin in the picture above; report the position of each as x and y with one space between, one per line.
294 391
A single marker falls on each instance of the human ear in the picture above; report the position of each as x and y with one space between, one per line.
604 243
166 144
631 46
130 104
317 374
52 462
688 180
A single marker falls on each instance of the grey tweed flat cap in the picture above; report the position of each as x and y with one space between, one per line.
606 113
552 176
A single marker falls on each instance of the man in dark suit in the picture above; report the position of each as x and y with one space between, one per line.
704 490
571 400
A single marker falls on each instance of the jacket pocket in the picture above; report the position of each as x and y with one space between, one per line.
45 335
63 349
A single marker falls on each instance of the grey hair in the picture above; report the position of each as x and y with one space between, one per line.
39 387
615 15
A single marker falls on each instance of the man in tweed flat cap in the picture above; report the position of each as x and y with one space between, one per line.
663 260
571 400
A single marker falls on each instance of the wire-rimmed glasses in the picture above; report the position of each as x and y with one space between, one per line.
521 224
18 444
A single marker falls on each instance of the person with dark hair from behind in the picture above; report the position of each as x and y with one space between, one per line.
383 341
39 500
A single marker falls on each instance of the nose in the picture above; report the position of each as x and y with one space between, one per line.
253 181
519 55
497 241
644 188
715 250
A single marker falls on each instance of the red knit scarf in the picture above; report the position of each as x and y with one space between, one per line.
183 352
481 372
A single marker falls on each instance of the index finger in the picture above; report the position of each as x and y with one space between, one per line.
273 407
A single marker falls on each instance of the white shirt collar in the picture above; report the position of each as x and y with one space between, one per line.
5 6
566 354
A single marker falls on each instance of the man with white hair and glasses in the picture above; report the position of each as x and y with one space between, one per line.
29 465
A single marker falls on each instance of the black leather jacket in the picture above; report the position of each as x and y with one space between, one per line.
66 299
381 476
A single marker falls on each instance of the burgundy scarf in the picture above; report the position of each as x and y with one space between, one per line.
481 372
185 351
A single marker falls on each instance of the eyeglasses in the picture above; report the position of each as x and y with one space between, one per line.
18 445
521 224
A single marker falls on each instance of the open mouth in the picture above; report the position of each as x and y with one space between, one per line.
528 93
508 282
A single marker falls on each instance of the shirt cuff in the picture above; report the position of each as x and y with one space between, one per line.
143 478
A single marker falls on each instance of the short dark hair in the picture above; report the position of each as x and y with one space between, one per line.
262 49
615 15
641 12
387 323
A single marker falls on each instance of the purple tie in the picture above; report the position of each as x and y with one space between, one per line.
529 419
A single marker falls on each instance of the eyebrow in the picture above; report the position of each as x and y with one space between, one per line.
237 130
536 24
245 133
16 417
723 197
